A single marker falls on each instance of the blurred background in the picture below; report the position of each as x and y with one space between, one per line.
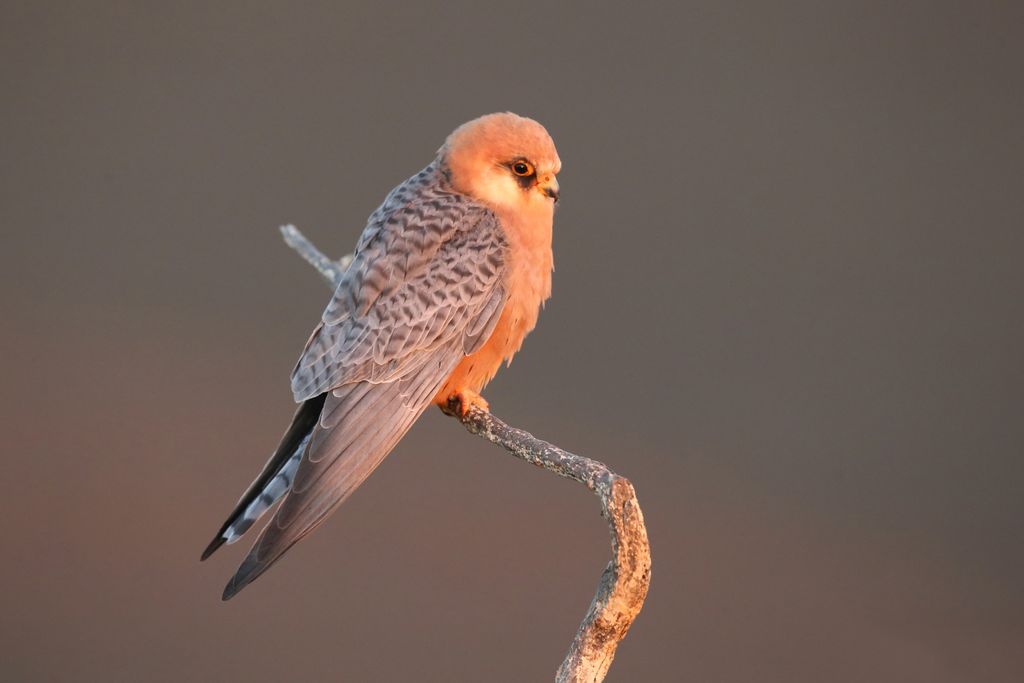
789 306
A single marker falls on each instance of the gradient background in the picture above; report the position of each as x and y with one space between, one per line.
788 306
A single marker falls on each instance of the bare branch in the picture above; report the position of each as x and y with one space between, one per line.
623 586
624 582
331 270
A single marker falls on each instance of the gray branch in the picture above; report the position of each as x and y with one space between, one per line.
624 582
332 270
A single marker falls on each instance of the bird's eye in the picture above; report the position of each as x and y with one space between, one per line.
522 168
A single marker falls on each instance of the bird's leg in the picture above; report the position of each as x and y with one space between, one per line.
462 400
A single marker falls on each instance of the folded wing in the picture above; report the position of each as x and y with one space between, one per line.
424 290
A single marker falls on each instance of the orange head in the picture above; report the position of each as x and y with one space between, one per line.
505 161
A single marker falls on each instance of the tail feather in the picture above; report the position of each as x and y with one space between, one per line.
274 490
275 479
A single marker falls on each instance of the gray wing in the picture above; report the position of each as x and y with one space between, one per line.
423 275
424 290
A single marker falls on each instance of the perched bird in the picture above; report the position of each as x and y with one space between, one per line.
447 280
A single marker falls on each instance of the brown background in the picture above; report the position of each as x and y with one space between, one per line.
788 305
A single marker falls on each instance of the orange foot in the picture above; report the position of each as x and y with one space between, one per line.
460 402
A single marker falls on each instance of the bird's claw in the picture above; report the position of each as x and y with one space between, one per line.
461 402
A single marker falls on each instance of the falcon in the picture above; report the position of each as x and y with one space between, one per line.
447 279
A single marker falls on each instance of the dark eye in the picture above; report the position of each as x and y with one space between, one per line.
522 168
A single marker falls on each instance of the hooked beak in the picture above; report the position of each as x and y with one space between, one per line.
549 186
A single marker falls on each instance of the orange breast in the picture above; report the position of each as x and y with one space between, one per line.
528 283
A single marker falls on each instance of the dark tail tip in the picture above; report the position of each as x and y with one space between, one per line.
249 570
234 587
217 542
229 591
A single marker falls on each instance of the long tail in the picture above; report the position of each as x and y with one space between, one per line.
359 425
275 479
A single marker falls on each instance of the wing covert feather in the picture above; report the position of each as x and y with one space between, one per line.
430 272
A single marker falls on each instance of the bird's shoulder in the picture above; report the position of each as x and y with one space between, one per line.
427 273
424 230
427 204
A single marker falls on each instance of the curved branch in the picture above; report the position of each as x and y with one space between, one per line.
624 582
623 586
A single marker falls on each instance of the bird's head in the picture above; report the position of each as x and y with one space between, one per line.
505 161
